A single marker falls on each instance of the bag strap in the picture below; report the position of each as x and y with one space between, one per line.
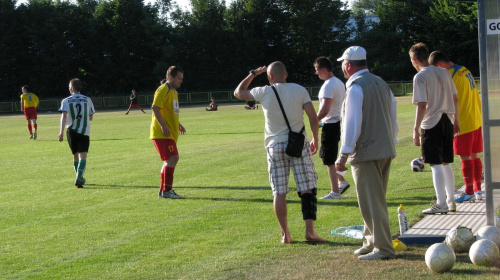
283 110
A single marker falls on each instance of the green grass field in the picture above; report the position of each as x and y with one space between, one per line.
117 227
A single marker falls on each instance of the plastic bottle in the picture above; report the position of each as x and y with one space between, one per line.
351 231
403 220
355 232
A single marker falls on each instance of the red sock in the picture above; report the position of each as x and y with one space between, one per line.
467 173
34 126
169 178
478 174
29 128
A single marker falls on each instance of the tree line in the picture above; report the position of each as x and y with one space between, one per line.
116 45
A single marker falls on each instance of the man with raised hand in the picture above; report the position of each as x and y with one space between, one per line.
295 100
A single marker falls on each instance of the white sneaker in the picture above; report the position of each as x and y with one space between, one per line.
435 209
332 195
343 186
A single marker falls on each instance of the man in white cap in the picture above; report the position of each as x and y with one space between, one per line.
369 104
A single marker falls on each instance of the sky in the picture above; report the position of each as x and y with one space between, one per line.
184 4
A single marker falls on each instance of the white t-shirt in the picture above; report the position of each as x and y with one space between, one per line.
293 97
435 86
332 88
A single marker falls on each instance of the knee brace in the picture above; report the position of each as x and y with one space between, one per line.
309 206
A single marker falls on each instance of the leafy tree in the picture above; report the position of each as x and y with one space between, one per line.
293 31
402 23
365 7
50 52
202 45
456 32
10 41
129 42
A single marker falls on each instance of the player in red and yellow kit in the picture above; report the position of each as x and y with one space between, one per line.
29 103
165 128
469 143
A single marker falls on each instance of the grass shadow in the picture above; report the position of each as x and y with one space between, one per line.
225 187
112 187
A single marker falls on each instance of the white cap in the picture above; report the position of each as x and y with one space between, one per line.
353 53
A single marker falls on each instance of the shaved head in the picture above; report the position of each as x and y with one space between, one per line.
277 72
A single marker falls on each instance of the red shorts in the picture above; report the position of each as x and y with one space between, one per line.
30 113
468 143
166 148
135 106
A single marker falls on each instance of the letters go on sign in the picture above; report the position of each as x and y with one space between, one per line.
493 26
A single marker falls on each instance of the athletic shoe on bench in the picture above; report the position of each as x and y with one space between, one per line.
452 207
479 195
436 209
463 197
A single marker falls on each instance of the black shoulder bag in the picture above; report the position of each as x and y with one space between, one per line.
295 139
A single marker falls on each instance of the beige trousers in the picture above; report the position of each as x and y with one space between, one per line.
371 178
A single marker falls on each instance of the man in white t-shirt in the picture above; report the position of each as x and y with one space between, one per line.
295 100
435 95
331 96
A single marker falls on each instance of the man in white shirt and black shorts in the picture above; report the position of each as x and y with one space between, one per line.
331 96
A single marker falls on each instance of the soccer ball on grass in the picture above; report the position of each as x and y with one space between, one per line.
417 165
440 257
489 232
484 252
460 239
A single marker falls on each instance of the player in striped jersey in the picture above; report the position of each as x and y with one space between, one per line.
29 102
77 112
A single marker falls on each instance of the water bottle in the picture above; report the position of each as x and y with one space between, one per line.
403 220
355 232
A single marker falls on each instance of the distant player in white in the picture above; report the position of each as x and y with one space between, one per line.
331 97
77 112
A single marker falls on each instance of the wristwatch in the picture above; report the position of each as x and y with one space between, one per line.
253 73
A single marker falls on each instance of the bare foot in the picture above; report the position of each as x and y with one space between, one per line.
314 237
286 238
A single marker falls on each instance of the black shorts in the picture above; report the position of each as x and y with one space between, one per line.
78 143
330 137
437 142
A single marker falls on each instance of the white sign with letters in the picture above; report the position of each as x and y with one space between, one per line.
493 26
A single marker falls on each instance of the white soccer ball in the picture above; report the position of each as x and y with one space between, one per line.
417 165
460 239
440 257
484 252
489 232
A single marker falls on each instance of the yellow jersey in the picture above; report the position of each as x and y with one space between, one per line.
469 102
167 100
30 100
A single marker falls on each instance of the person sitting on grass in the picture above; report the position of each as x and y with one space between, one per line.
251 105
213 106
